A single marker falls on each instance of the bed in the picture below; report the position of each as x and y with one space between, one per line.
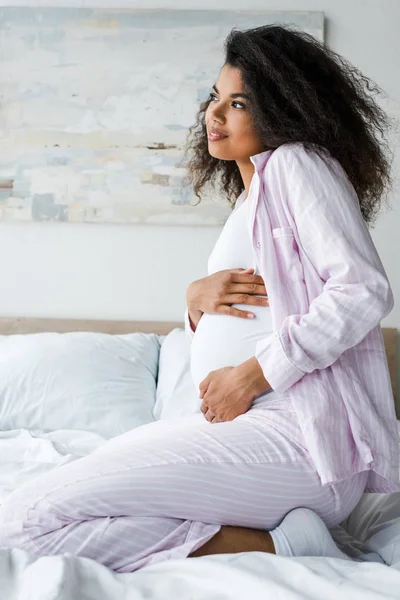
48 416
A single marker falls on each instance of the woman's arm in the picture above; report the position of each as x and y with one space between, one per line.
192 315
332 232
191 319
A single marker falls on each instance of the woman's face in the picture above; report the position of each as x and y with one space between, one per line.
228 114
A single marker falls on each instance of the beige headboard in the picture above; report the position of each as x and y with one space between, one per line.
14 325
390 335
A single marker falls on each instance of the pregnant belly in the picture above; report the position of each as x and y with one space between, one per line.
226 341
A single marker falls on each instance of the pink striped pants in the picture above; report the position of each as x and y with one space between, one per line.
160 491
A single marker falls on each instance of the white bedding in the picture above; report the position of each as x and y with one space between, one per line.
254 575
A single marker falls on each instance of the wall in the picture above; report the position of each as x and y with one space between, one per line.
142 272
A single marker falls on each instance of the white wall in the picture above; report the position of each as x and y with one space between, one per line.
142 272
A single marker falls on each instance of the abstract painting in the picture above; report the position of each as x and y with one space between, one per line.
95 106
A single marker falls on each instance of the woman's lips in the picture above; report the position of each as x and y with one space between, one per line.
216 137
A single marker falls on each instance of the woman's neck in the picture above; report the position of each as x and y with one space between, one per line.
246 171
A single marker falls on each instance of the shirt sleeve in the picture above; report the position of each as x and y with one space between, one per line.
188 327
333 234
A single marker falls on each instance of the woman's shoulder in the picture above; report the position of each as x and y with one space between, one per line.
292 164
297 150
294 156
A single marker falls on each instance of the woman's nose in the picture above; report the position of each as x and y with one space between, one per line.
217 115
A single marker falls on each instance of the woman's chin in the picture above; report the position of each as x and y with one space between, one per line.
219 152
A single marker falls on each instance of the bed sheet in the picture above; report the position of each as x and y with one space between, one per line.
25 454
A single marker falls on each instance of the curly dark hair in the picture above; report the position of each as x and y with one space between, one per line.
300 91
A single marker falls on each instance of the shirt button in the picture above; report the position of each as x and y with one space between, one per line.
259 244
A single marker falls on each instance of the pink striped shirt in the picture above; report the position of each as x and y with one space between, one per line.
328 292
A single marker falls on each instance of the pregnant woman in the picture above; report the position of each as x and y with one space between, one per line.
297 417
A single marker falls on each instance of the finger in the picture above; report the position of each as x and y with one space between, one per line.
217 420
204 407
251 270
209 415
246 299
224 309
203 392
244 277
205 414
248 288
203 385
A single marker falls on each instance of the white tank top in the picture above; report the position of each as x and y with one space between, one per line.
225 340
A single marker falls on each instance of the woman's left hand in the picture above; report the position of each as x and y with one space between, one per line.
223 398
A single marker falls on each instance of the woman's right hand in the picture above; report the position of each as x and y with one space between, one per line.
216 293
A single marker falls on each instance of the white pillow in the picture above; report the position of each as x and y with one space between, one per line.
176 394
81 380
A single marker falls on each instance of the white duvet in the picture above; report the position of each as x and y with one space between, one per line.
250 575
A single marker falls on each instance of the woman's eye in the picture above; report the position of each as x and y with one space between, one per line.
214 97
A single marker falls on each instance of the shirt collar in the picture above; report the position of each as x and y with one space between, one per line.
260 160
